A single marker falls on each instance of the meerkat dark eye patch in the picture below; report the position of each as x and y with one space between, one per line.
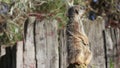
76 11
71 12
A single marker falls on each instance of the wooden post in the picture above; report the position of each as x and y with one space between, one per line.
19 55
29 48
94 30
46 39
62 49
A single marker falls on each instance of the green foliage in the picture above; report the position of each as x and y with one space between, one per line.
11 34
6 1
111 64
13 31
54 10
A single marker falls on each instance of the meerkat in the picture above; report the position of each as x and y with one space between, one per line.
77 40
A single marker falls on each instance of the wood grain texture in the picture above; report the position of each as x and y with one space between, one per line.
62 49
29 49
19 55
94 31
47 44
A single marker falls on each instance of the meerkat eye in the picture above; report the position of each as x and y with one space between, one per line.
76 11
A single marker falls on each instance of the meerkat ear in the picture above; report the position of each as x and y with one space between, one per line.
69 3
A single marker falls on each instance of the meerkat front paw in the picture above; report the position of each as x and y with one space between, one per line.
85 40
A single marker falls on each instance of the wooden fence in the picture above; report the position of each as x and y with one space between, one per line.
44 46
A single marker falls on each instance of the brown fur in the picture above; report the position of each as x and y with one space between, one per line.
77 41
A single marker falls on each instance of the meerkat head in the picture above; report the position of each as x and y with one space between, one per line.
76 12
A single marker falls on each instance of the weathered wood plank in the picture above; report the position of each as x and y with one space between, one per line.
117 57
108 47
94 30
19 55
47 44
52 43
40 45
62 49
29 49
112 47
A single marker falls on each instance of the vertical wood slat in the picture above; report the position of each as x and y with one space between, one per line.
52 44
117 57
94 30
105 49
19 55
40 45
47 44
62 49
29 49
109 47
112 47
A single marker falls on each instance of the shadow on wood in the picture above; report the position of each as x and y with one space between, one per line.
9 59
